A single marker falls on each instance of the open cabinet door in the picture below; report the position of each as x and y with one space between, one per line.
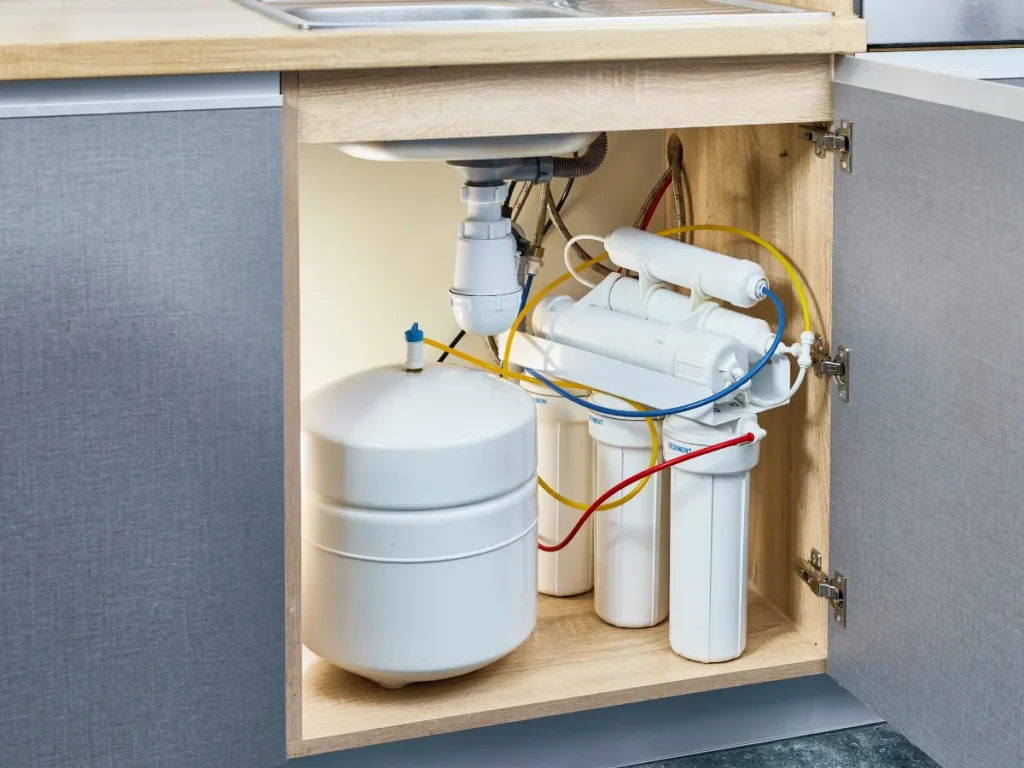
927 457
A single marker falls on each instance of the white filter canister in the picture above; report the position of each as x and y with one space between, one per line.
419 514
631 549
710 500
565 459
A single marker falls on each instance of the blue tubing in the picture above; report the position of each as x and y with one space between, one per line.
526 291
689 406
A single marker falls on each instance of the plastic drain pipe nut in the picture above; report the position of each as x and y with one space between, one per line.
485 294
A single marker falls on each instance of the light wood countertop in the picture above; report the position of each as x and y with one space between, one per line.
44 39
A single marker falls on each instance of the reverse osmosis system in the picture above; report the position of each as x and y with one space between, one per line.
560 444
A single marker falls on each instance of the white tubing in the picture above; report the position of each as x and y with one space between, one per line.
787 397
568 261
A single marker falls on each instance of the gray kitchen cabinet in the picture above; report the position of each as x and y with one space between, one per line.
926 487
142 467
942 22
141 437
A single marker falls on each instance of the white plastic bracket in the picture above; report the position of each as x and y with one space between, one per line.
698 297
648 285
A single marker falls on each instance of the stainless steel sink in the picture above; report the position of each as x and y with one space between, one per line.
337 14
352 14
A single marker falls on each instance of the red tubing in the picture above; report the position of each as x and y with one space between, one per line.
657 200
741 440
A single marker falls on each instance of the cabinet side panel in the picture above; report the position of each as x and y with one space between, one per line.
141 441
927 482
292 409
767 180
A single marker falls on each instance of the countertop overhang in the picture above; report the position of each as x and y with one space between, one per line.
46 39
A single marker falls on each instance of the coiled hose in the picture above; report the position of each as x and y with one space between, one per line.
675 167
652 200
586 164
559 222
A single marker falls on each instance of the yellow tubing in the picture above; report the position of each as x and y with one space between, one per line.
540 480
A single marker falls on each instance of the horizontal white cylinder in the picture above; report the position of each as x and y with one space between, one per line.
664 305
708 359
737 281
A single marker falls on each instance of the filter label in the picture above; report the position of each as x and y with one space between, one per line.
595 420
540 400
680 448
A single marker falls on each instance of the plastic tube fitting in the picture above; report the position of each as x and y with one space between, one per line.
414 349
804 360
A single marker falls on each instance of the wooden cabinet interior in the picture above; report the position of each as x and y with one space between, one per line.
763 178
767 180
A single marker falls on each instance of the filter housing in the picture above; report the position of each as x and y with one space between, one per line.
631 542
419 545
565 457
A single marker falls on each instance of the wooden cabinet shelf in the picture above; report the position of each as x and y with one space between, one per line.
573 661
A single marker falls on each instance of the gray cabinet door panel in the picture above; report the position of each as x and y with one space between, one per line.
937 22
141 464
927 458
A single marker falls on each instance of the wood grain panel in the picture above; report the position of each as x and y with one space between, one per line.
292 412
767 180
544 98
838 7
573 661
42 39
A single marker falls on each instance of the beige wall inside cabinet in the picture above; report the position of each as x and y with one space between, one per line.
378 246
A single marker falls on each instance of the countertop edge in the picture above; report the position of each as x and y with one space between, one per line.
386 49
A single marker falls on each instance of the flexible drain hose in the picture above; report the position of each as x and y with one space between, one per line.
586 164
556 219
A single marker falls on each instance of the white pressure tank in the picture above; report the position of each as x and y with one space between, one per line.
565 459
710 527
631 542
419 515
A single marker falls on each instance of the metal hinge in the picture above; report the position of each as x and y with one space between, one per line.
837 139
833 590
837 368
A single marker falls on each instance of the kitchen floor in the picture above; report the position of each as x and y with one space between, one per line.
878 746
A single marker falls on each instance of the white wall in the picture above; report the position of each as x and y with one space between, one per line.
377 247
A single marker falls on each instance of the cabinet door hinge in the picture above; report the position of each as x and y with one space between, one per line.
837 139
836 368
832 589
